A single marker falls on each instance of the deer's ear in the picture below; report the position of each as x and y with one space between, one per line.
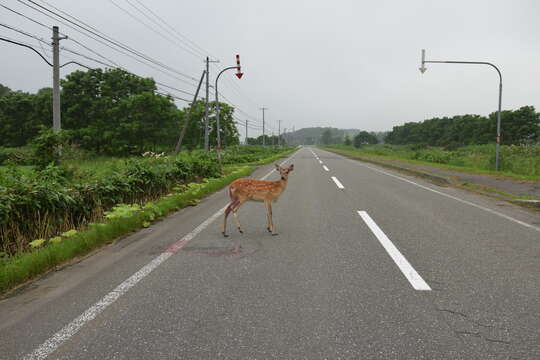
291 167
277 166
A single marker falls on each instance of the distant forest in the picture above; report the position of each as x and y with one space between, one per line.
325 136
518 127
109 112
521 126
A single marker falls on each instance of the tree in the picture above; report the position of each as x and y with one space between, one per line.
347 140
326 138
4 90
363 138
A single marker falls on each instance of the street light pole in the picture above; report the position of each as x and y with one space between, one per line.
279 133
264 141
239 75
498 138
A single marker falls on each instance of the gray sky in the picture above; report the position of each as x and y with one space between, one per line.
346 64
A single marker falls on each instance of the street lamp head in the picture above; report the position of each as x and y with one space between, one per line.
422 67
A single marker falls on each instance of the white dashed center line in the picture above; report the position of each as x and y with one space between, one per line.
338 184
406 268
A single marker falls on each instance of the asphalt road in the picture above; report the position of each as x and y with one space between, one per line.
368 264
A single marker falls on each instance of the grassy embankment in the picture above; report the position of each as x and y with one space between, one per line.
73 215
517 162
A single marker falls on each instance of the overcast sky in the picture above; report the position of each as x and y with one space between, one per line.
345 64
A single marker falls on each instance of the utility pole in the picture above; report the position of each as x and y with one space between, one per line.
264 141
273 139
246 132
57 125
178 147
206 104
279 133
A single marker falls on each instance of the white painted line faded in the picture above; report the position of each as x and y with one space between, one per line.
49 346
338 184
320 162
406 268
453 197
325 168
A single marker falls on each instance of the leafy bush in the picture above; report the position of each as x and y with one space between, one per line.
16 156
41 204
47 147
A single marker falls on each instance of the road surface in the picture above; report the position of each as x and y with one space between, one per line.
368 264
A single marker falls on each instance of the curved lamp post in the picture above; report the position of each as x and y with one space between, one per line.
498 139
239 75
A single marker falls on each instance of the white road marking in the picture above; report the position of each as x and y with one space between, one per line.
416 280
338 184
325 168
453 197
320 162
49 346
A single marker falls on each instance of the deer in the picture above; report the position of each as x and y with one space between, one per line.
245 189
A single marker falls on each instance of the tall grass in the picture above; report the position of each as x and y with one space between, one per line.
519 160
43 204
22 267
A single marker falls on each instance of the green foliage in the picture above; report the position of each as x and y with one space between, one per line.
365 138
112 112
46 147
519 160
21 115
4 90
519 127
16 156
18 269
326 138
248 154
347 141
45 203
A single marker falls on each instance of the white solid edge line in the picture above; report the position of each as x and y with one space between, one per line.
51 344
406 268
338 184
325 168
453 197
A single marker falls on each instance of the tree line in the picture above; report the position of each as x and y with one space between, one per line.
110 112
521 126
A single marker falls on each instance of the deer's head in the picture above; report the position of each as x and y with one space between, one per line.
284 172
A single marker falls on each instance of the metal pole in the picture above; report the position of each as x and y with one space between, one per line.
218 128
57 125
279 133
263 139
498 136
188 116
246 132
206 104
498 127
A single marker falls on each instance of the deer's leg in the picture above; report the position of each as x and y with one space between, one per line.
234 210
274 233
227 212
267 204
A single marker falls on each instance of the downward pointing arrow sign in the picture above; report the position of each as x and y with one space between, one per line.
239 75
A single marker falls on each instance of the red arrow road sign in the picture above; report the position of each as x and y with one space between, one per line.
238 73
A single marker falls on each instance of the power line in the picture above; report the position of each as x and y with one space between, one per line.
101 35
26 46
177 43
201 50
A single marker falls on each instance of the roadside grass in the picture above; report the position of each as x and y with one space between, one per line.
21 268
121 220
527 166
